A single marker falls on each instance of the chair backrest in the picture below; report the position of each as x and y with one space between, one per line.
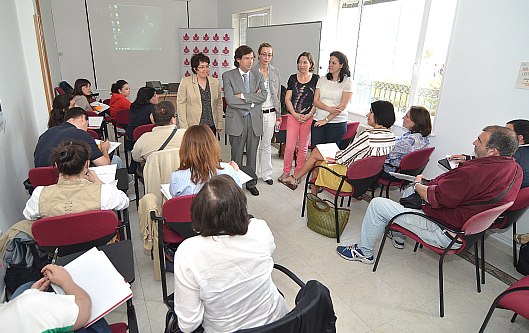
352 128
177 215
75 232
362 173
158 168
482 221
107 101
123 117
58 91
43 176
93 133
140 130
92 113
515 212
415 162
314 313
284 119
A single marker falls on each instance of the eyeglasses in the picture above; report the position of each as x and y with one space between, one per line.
266 55
203 67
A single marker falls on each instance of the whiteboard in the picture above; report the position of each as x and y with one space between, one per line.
288 41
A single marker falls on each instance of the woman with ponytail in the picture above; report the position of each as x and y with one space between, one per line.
118 101
61 103
78 189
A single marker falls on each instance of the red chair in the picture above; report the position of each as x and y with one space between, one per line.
412 164
514 298
360 175
138 132
349 135
58 91
173 227
93 134
469 234
43 176
508 218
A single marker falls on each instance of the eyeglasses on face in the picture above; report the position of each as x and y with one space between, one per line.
266 55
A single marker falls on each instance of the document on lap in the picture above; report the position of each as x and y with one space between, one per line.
107 173
113 145
328 151
105 285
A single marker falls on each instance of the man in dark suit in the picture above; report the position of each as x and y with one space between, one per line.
244 91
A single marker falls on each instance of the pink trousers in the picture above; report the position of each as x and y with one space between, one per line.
296 129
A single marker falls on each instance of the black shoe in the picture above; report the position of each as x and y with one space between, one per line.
253 190
269 181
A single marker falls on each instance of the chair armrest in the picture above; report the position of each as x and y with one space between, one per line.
155 217
290 274
459 233
183 228
326 168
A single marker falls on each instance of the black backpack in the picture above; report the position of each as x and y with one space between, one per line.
523 260
66 87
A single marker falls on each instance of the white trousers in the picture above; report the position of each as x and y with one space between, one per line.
264 154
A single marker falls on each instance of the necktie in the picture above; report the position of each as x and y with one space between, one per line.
246 82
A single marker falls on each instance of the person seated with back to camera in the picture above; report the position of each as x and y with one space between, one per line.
78 188
376 141
451 198
223 277
32 309
199 161
166 120
61 103
419 125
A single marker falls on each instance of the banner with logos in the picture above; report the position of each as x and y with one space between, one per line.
217 44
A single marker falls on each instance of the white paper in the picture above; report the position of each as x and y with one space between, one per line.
94 272
107 173
328 150
165 191
113 145
453 163
95 122
522 81
402 176
99 107
243 177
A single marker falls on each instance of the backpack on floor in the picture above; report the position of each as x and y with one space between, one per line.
523 260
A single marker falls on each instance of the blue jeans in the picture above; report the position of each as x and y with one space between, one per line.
330 132
381 210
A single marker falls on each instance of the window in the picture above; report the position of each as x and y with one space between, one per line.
396 49
243 20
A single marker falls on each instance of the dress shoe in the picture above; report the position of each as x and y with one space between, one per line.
269 181
254 191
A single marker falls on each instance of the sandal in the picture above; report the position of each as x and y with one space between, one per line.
291 182
283 176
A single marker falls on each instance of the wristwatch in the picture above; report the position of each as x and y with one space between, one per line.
326 119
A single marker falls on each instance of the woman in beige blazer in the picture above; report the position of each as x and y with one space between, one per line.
199 101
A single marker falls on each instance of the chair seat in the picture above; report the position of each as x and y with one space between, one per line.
118 328
171 236
331 191
438 250
387 182
517 301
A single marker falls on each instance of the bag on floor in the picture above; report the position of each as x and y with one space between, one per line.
523 260
320 216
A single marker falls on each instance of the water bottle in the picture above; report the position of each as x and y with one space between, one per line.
277 125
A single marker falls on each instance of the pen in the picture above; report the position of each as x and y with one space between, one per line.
55 256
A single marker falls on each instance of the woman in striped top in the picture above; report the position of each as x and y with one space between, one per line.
377 141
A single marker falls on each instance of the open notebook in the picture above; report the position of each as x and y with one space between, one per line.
94 272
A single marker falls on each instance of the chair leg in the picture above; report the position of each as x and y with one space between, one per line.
441 288
476 263
341 202
336 220
305 196
487 318
379 254
349 203
514 246
416 246
482 258
137 191
381 189
387 192
514 317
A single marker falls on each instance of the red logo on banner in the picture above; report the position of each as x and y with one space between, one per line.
225 63
186 62
196 37
187 74
205 50
215 50
226 37
216 37
186 49
186 37
196 50
215 62
206 37
226 51
215 75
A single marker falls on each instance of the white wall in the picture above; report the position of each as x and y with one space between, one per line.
46 12
23 103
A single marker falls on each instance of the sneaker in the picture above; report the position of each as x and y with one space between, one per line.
353 253
396 244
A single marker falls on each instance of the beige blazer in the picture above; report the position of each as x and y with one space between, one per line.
189 102
158 169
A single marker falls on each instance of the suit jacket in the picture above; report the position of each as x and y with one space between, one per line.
274 87
189 102
237 107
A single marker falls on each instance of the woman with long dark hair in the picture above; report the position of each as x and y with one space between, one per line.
118 100
141 109
82 94
61 103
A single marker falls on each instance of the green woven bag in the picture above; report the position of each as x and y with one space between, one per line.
320 216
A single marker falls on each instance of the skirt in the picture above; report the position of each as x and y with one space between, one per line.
331 181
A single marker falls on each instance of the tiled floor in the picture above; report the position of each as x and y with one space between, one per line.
401 296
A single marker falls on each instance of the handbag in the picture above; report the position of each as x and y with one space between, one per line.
320 216
413 201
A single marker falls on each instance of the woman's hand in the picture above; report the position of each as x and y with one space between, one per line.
335 110
91 176
234 165
320 123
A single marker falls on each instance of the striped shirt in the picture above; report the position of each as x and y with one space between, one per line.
372 142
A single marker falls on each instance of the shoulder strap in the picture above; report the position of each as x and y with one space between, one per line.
498 198
171 136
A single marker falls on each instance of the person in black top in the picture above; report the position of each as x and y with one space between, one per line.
74 128
140 110
521 128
